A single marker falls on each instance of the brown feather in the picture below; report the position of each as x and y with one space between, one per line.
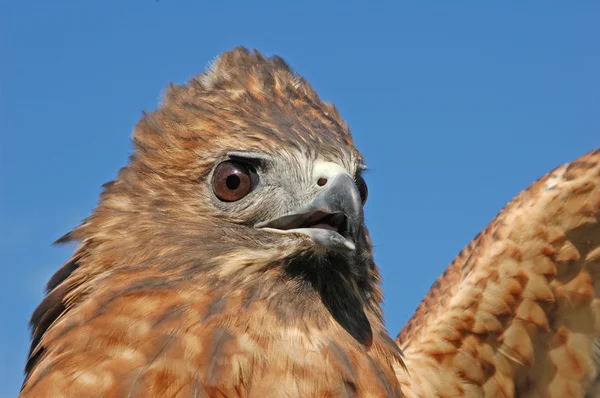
517 314
171 295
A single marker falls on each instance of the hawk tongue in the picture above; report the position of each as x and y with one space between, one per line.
325 226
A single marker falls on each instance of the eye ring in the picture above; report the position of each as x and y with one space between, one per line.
363 189
232 181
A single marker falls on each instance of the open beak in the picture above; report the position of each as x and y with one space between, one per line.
333 219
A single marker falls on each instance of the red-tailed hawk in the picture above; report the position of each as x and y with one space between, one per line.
230 258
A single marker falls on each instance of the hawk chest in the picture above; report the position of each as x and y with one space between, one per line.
288 362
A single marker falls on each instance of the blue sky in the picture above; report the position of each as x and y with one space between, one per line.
457 106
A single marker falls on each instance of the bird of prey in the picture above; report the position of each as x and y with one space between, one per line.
230 258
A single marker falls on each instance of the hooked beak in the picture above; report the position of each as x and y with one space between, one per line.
332 220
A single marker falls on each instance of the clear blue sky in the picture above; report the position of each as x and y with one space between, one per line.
456 108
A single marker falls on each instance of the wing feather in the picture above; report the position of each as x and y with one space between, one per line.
517 313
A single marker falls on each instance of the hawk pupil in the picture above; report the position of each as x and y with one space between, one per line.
233 182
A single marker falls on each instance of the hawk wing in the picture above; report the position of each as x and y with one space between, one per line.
517 313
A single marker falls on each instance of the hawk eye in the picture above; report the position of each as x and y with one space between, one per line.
362 188
232 181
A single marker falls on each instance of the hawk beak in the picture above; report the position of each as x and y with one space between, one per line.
332 220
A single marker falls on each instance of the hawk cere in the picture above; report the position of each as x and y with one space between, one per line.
230 258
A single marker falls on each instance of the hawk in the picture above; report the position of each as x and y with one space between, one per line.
230 258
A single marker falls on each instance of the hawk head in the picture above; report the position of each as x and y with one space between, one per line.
245 161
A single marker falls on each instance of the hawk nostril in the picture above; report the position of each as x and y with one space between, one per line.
321 181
